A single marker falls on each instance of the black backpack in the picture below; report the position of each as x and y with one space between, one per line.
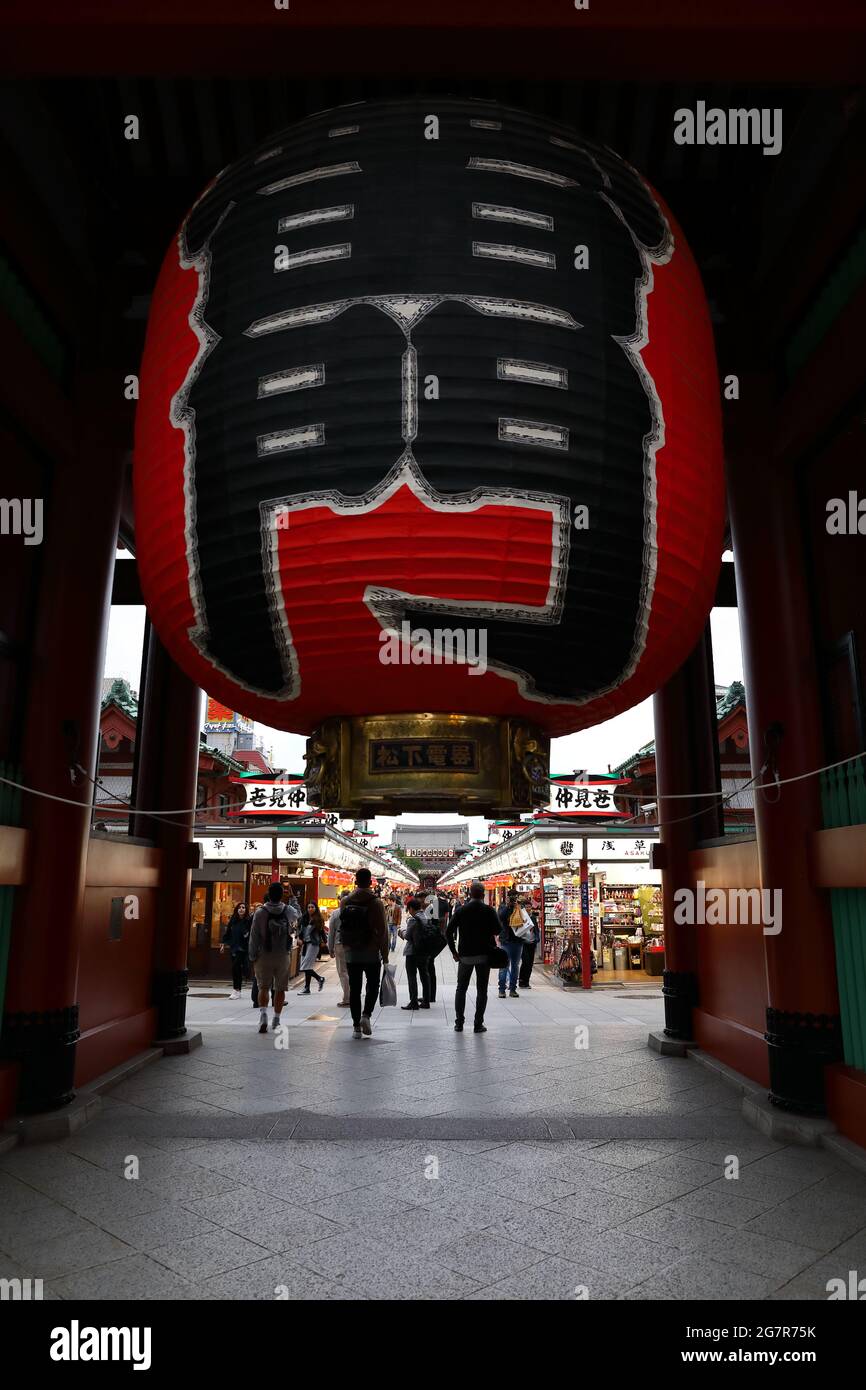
431 940
356 931
275 920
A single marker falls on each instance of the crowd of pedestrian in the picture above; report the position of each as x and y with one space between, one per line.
361 934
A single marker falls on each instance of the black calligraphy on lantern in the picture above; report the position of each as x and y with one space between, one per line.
473 275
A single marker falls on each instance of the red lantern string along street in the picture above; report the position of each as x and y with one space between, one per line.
436 364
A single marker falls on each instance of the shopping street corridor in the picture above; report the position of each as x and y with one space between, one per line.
554 1157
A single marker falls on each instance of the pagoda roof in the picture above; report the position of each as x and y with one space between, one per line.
116 691
727 700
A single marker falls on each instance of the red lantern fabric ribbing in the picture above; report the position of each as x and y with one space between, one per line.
417 366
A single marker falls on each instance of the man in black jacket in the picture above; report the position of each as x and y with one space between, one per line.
475 927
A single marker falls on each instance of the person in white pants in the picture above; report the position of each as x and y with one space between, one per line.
335 946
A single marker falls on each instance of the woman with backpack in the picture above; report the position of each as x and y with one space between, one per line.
312 935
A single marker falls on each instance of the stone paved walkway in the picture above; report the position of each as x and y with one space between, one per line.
519 1164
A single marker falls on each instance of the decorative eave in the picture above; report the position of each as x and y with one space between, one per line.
228 762
123 697
733 700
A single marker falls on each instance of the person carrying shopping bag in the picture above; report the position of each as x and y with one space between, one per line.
530 936
510 920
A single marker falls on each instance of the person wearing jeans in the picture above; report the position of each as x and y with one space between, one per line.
395 920
510 917
364 936
471 937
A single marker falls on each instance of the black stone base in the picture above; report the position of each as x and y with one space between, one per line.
43 1045
170 988
800 1046
680 993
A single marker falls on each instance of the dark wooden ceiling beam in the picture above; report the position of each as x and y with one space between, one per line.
622 39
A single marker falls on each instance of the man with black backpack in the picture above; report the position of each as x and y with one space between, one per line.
364 934
269 947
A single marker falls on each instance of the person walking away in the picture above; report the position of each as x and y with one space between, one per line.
269 947
236 936
510 918
335 946
364 934
312 934
471 936
418 964
527 958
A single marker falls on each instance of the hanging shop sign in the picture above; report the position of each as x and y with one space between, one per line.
287 798
584 799
306 268
619 848
231 847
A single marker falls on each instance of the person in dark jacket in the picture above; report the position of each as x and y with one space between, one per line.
364 958
529 948
312 930
236 936
435 912
471 936
417 963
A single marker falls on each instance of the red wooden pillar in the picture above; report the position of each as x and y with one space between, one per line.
40 1024
585 942
167 778
684 714
782 701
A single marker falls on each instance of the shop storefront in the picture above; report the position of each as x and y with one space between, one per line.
317 862
559 871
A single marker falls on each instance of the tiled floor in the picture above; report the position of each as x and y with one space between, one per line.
553 1157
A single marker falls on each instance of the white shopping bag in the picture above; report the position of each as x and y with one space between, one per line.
388 989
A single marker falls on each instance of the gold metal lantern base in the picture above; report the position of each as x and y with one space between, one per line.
382 764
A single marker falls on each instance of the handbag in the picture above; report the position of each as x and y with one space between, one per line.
388 988
497 959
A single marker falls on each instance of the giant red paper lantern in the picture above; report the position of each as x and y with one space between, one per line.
391 355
